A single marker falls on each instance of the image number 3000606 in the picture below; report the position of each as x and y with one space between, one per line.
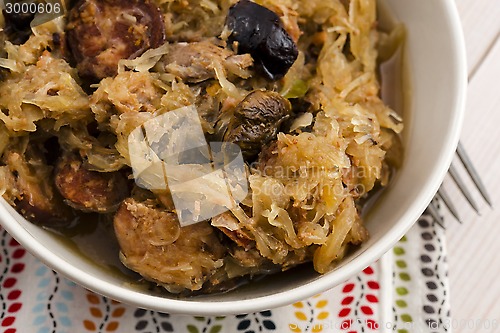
37 11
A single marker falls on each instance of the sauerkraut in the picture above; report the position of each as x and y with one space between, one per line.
337 143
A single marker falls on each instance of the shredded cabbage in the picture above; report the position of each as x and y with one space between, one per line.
305 186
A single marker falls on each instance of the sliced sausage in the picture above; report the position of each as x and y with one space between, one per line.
154 245
87 190
102 32
30 188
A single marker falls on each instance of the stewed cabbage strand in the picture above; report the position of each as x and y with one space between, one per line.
294 83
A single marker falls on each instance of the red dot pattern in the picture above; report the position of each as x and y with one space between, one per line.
368 270
14 307
348 288
344 312
7 321
9 282
17 268
358 303
367 310
19 253
8 288
371 301
347 300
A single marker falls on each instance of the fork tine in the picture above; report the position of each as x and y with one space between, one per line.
474 175
463 188
433 210
448 203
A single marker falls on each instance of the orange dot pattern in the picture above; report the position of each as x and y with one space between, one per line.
105 314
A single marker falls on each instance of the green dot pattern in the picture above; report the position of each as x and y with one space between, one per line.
401 285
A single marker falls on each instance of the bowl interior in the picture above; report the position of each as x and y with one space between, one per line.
436 61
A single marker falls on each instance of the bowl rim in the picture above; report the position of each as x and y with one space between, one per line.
364 259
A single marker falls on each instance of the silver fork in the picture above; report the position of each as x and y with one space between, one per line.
453 172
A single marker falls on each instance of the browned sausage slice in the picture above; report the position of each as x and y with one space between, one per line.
154 245
89 190
102 32
30 187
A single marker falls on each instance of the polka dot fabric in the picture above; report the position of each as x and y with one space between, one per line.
406 291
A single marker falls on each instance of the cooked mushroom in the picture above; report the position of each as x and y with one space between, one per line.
101 33
259 31
87 190
256 121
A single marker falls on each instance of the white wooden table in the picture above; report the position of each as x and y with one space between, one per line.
474 247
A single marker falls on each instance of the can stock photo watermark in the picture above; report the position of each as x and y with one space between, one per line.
170 152
359 325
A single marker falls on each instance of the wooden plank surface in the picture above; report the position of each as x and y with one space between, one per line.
481 25
474 247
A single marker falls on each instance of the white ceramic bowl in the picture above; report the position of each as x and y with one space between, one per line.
436 58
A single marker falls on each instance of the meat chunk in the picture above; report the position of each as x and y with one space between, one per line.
154 245
256 121
194 62
251 258
102 32
87 190
29 187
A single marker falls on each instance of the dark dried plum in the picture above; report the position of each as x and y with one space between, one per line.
259 31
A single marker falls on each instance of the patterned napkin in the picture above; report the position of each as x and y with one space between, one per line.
406 291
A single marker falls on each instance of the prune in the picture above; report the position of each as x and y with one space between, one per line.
259 31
